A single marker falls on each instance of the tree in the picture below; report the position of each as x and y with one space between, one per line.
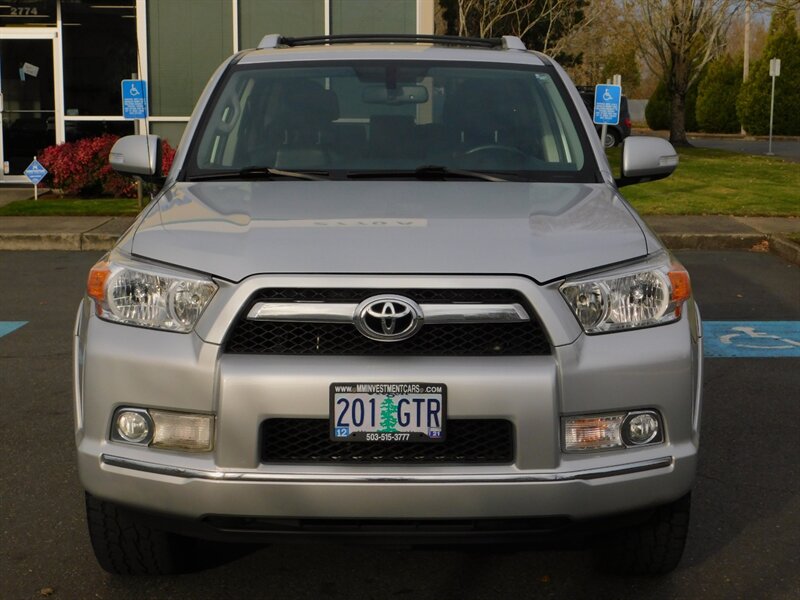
542 24
753 103
388 415
677 39
658 113
603 47
715 109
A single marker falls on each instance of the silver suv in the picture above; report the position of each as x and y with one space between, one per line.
389 290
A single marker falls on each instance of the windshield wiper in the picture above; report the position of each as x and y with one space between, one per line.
262 173
426 173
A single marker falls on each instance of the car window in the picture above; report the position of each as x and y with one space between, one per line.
391 115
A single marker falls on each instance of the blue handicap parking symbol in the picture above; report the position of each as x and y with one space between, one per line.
751 339
7 327
607 99
134 98
35 172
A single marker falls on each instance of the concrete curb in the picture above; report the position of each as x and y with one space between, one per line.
55 233
757 242
786 249
712 241
57 241
40 241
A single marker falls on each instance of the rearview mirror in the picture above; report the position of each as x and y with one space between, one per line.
646 158
402 94
137 155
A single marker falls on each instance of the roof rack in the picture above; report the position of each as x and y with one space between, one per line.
507 42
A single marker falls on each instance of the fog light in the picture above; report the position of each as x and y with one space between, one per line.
642 428
593 432
133 426
182 431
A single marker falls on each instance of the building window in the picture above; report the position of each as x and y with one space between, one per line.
99 44
76 130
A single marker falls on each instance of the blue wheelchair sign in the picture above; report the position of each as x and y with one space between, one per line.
607 99
134 98
35 172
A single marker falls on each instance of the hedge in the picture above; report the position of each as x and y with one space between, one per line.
81 168
716 96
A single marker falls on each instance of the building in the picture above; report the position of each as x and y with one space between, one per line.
62 61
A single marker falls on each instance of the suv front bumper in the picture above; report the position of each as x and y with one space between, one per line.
657 368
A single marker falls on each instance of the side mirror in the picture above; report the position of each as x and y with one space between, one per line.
646 159
138 155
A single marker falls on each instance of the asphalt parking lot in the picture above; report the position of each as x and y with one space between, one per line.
745 530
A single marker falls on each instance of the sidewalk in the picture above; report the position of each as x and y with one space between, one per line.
760 234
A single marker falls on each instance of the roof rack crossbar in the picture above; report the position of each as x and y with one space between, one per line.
507 41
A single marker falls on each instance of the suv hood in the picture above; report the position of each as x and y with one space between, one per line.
541 230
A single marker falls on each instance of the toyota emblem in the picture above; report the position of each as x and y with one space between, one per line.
388 318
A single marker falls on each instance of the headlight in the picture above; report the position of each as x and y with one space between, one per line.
148 297
628 299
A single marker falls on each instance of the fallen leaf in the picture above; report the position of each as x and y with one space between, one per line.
762 246
47 591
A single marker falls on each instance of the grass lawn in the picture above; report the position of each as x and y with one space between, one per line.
52 206
716 182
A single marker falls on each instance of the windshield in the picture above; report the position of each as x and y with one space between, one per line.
385 117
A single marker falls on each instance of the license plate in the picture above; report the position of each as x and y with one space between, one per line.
388 412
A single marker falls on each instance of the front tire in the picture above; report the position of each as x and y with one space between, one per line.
651 548
124 545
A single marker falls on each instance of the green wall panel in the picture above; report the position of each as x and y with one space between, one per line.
373 16
188 39
172 132
287 17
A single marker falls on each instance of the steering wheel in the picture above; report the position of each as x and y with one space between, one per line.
495 149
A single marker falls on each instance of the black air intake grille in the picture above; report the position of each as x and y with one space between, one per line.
468 441
343 339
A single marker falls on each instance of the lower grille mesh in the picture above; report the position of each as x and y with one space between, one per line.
468 441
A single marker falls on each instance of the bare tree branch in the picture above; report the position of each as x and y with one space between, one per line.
488 18
677 39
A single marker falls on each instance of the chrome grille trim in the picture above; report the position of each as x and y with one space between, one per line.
324 312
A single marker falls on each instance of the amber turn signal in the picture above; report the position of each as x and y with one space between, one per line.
96 284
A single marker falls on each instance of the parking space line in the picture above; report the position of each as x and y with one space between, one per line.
751 339
7 327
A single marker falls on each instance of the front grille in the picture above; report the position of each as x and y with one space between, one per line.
468 441
343 339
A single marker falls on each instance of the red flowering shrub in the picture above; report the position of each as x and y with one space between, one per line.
81 168
167 156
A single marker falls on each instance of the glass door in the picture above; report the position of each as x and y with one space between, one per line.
27 85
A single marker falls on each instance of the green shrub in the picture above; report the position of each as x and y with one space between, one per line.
716 96
659 108
753 103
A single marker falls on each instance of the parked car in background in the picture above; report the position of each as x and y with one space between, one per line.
614 133
389 291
